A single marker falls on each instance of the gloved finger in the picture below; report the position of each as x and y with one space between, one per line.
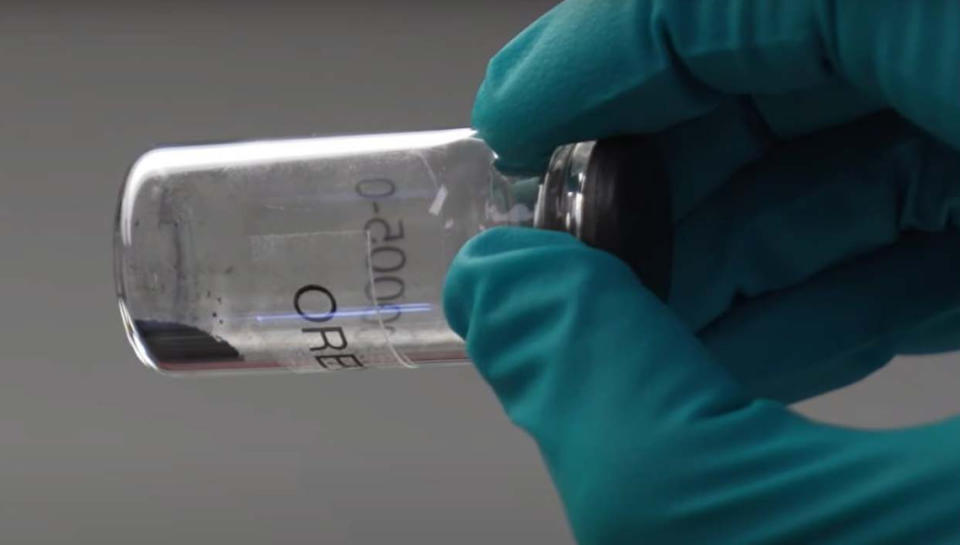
702 154
761 475
649 440
844 323
935 335
811 109
504 295
589 69
812 204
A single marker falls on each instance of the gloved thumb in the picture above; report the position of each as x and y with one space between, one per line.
648 439
559 328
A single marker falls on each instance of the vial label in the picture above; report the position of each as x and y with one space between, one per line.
307 304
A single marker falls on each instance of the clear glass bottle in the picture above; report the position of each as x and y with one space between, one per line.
323 254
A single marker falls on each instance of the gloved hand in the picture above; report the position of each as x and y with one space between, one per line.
806 254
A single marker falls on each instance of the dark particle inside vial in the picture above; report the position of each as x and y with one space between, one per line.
170 342
214 314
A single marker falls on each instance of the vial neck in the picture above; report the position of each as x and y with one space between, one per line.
559 205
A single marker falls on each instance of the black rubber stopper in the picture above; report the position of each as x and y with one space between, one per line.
627 208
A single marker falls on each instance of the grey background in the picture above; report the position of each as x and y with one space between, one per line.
96 449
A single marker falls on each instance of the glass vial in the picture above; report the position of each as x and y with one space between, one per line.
329 253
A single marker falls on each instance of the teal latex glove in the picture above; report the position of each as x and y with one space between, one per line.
804 259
